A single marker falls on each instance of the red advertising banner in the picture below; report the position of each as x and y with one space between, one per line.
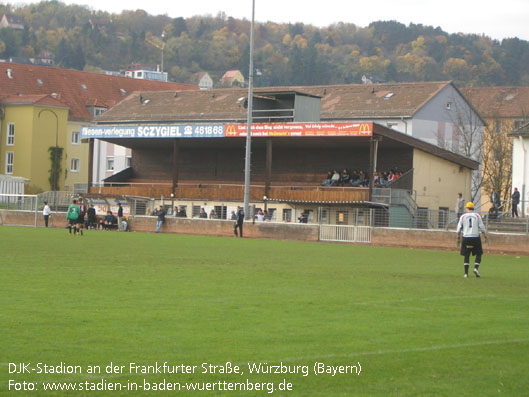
300 130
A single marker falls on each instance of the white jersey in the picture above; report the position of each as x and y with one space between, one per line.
46 210
472 224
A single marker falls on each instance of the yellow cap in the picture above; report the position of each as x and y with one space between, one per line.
470 205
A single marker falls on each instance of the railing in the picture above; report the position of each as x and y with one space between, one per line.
223 191
19 203
346 234
58 201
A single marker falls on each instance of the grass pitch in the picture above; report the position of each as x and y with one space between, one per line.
405 319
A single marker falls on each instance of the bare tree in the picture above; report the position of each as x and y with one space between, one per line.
497 157
468 140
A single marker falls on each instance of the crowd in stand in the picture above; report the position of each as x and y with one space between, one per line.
360 178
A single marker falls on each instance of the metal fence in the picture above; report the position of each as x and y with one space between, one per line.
18 203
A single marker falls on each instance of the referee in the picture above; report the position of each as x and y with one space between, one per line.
471 224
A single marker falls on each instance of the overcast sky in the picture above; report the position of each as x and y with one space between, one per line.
495 18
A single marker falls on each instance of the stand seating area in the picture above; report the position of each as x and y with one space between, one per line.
234 191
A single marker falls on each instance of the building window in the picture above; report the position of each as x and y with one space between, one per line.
287 215
75 165
448 105
323 216
497 127
128 162
221 211
10 160
110 163
10 141
519 123
76 138
342 217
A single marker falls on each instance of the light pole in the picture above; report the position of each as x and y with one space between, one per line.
156 44
249 127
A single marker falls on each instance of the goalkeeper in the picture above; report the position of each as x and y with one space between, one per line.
471 224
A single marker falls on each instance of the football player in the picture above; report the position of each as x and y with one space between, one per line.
471 224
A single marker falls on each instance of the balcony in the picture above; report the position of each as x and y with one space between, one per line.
234 192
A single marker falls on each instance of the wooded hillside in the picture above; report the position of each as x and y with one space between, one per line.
285 54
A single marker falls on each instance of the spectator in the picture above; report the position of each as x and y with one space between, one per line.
362 179
212 214
515 197
120 217
203 214
91 217
46 212
239 223
161 218
260 216
181 212
377 181
460 205
353 181
110 221
346 178
233 216
335 179
328 179
495 199
303 218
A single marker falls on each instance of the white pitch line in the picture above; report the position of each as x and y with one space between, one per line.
437 298
401 351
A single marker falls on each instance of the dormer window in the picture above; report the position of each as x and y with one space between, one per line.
389 95
122 92
448 105
39 82
83 86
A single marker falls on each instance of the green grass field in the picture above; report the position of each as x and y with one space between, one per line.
405 319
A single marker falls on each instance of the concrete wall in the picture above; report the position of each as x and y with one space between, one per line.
438 181
513 244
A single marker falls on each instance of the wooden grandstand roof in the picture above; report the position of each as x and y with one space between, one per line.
337 102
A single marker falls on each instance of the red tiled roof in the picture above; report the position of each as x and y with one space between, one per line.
492 102
42 99
74 88
229 77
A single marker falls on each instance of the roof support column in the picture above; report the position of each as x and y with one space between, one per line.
176 153
90 163
373 153
268 166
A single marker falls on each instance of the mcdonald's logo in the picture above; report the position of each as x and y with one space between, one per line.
365 129
231 130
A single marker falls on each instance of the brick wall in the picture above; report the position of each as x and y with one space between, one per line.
511 244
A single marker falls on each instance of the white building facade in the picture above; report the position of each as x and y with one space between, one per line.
520 166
